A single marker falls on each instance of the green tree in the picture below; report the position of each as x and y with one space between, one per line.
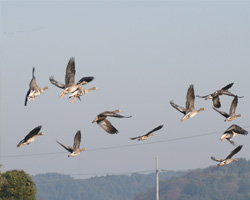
17 185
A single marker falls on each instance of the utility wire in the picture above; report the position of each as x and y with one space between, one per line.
118 147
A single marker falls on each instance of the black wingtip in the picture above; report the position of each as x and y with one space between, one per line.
33 71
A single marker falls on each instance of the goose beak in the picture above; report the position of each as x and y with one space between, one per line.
95 120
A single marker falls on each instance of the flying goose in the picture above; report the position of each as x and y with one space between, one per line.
31 136
76 146
80 92
228 159
215 96
231 132
231 116
34 89
102 121
147 135
70 85
189 111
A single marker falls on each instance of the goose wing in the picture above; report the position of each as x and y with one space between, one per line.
236 150
227 87
113 114
70 73
237 129
203 96
56 83
155 129
179 108
217 160
77 141
107 126
68 148
233 105
222 112
35 131
134 138
33 85
86 79
26 98
190 97
216 102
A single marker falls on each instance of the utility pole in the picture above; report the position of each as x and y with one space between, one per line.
157 179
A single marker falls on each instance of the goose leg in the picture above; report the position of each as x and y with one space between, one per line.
185 117
62 94
74 98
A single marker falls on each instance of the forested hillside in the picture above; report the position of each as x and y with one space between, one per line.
53 186
230 182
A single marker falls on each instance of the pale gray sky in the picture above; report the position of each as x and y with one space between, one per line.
142 55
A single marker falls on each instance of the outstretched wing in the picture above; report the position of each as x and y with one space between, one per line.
233 105
237 129
216 102
77 141
134 138
222 113
26 98
35 131
56 83
190 97
107 126
113 114
86 79
70 73
202 96
33 85
227 87
179 108
155 129
236 150
218 160
68 148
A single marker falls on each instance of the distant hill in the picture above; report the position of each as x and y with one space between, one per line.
54 186
229 182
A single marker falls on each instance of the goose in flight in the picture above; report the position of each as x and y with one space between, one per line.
147 135
231 116
229 158
70 86
215 96
189 111
76 146
34 89
31 136
80 92
231 132
102 121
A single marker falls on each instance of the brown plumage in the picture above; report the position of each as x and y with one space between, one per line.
231 132
228 159
102 121
34 89
215 96
189 111
31 136
231 116
70 86
76 146
147 135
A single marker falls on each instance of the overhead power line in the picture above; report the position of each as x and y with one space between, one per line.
118 147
